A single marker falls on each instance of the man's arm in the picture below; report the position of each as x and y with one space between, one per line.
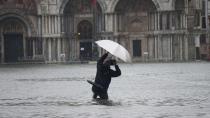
117 71
101 60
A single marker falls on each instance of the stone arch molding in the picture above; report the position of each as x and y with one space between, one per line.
64 2
26 22
113 4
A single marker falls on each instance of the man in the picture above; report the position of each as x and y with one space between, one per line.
103 76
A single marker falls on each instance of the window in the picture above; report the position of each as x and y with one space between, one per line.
203 39
203 22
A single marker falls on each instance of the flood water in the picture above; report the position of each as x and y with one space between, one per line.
154 90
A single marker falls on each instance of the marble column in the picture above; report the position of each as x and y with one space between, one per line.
49 50
2 49
59 49
109 22
24 46
34 48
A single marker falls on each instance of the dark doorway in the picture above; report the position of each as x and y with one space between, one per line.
13 47
85 50
137 48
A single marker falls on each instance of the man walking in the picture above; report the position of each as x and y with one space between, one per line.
103 76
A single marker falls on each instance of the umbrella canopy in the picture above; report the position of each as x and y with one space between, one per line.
115 49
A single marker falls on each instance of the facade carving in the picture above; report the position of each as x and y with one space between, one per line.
65 30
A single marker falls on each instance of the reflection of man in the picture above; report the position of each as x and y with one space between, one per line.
103 76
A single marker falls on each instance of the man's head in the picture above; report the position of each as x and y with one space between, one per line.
110 62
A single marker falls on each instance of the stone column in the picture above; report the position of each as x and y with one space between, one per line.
46 24
39 25
186 48
34 48
59 24
59 49
115 22
2 48
155 53
44 48
49 19
24 46
109 22
49 50
197 46
42 25
158 21
171 47
56 25
180 48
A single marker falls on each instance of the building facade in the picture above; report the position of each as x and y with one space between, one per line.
65 30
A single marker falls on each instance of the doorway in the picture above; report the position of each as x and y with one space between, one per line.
13 47
85 50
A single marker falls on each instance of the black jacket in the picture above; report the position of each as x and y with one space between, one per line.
104 75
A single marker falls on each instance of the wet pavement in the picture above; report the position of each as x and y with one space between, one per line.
154 90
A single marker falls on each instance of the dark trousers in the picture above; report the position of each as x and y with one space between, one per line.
99 92
101 95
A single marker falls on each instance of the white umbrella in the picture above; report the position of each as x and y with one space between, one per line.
115 49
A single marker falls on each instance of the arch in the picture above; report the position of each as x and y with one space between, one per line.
29 28
65 2
114 4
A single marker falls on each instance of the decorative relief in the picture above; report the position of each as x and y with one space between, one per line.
44 1
27 5
44 9
53 2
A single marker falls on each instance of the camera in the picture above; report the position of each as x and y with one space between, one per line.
112 62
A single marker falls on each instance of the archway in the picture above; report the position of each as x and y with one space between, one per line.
13 31
82 17
115 2
132 15
132 24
